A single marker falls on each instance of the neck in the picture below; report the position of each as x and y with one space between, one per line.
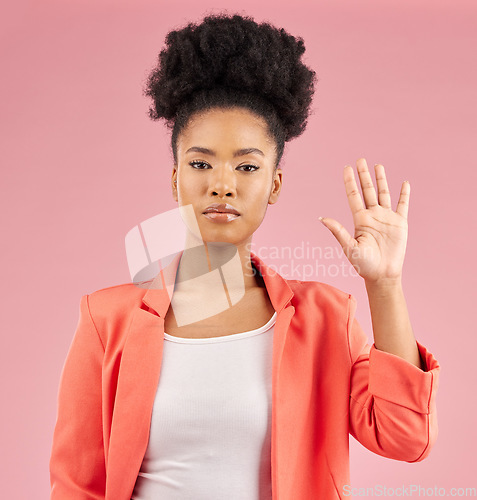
205 267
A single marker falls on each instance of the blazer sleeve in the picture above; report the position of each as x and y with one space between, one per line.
392 403
77 464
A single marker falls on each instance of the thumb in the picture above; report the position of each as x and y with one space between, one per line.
339 232
332 225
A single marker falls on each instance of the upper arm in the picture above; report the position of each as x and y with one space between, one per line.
392 402
77 464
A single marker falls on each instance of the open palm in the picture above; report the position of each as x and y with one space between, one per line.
380 234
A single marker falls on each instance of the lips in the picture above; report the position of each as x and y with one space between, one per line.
221 208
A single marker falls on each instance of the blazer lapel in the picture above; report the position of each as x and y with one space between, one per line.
139 376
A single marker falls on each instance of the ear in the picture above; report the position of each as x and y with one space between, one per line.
174 183
276 186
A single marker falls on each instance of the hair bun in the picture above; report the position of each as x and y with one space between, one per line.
233 52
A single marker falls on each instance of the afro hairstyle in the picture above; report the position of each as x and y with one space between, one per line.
227 61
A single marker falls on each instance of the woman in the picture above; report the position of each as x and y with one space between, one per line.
241 384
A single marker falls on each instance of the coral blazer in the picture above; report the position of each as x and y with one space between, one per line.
327 383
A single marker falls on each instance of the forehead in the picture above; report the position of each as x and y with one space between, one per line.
223 128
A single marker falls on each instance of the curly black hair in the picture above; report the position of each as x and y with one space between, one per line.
228 61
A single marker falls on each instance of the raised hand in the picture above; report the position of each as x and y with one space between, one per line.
380 234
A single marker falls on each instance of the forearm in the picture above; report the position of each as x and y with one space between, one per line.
392 328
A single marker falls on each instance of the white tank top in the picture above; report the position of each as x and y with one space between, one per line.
211 421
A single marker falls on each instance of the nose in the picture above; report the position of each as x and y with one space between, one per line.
223 183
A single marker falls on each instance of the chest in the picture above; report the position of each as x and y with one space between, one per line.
252 312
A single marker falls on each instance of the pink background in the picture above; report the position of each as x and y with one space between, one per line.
82 164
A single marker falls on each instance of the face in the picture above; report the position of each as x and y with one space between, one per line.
226 156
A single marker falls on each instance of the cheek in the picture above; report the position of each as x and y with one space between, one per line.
189 188
259 199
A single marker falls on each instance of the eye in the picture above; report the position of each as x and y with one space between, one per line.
250 166
197 162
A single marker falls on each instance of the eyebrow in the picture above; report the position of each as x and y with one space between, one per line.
239 152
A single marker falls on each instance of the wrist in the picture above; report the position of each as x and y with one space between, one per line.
384 285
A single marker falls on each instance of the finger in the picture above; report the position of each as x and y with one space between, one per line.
354 198
346 241
383 190
367 186
403 203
